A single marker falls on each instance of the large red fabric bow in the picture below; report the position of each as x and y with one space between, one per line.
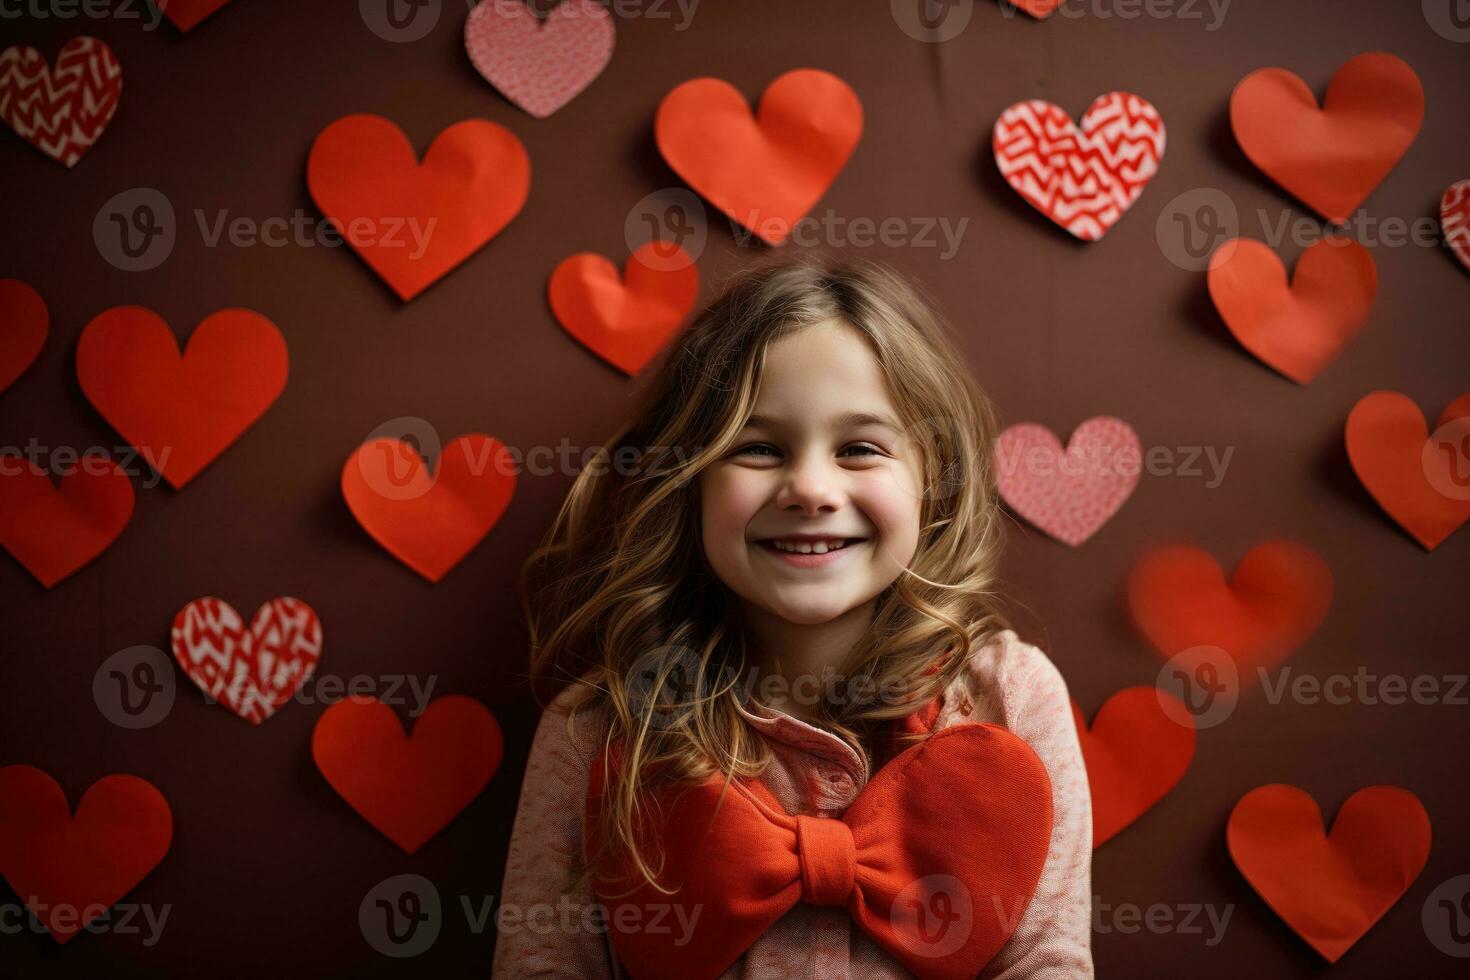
936 859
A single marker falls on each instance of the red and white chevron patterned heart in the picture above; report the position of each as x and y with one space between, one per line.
61 112
1454 220
1068 493
250 671
1083 178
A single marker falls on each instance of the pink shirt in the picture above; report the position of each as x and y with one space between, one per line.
1007 682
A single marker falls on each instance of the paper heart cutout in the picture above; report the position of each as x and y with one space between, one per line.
186 14
429 522
1330 157
80 866
63 112
250 671
1454 221
1135 753
55 530
539 65
1278 596
181 411
408 787
1422 482
24 323
1301 327
1330 889
627 319
417 221
1040 9
1082 177
768 170
1068 494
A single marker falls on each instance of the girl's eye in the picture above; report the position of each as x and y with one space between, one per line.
863 445
751 449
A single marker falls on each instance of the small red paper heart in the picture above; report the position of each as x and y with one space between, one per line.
539 65
55 530
1278 596
250 671
429 521
70 870
1454 221
1301 327
186 14
1135 753
1040 9
1422 481
24 323
1330 157
181 411
1329 889
625 320
768 170
408 787
60 113
1068 494
413 222
1082 177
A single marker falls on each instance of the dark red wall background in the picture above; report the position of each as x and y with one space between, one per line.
268 866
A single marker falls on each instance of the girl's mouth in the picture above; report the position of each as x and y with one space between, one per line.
813 558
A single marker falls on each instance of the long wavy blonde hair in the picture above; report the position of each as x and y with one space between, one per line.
620 600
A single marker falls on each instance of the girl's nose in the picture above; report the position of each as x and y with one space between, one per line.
809 487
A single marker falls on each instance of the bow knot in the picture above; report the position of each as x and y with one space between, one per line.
828 860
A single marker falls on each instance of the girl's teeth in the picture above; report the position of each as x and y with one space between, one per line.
802 548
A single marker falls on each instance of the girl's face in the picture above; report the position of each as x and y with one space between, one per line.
809 465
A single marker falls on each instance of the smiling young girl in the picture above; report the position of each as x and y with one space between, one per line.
793 735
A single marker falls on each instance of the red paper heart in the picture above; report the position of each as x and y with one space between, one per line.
1278 596
24 323
1299 328
181 412
429 522
53 531
1454 221
409 788
1422 482
1329 889
539 65
1040 9
1330 157
1083 178
250 671
1070 494
60 113
625 320
413 222
1135 753
186 14
70 870
768 170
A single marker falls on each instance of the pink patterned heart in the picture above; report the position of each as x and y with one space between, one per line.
61 113
1082 177
250 671
1454 220
1068 493
539 66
